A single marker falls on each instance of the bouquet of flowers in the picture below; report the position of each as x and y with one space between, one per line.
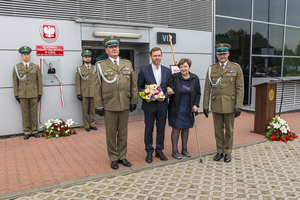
279 130
152 92
58 128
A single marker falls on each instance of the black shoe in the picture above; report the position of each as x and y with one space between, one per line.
88 129
218 156
161 156
94 128
36 135
26 137
114 165
125 162
149 158
227 158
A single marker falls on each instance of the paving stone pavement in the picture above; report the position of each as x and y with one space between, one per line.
269 170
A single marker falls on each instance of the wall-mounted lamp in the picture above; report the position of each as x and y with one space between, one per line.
119 34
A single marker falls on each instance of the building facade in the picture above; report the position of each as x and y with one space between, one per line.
263 35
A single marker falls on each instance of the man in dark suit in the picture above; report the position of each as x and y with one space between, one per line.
155 110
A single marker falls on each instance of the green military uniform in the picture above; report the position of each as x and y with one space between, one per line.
27 82
226 88
116 98
84 80
115 94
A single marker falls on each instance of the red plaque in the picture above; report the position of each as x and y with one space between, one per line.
49 31
49 50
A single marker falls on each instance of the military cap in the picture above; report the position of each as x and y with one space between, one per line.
222 48
86 53
25 49
111 41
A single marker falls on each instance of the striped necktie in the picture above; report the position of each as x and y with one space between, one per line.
116 64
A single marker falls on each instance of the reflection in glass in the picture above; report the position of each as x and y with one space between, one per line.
234 8
269 10
291 67
267 39
266 67
293 14
237 34
292 42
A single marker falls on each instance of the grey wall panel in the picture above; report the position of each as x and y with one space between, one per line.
187 41
10 118
51 105
25 31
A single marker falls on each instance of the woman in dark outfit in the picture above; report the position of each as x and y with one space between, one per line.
185 99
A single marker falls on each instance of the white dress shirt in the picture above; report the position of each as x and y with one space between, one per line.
88 66
225 63
26 64
157 73
117 60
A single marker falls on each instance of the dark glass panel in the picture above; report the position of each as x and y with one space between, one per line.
267 39
237 34
291 67
234 8
293 14
266 67
269 10
292 42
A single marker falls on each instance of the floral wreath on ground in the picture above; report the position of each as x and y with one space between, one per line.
58 128
279 130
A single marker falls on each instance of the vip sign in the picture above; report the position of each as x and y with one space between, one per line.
49 31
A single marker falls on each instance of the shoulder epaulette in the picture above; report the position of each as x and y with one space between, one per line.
126 60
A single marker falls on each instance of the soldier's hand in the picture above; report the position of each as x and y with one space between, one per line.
79 97
237 112
17 98
205 111
39 97
99 111
132 107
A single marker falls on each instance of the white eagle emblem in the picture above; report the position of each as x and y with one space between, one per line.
49 31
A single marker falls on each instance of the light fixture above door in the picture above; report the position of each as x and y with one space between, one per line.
119 34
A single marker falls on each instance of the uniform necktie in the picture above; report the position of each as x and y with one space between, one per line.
116 64
222 66
26 65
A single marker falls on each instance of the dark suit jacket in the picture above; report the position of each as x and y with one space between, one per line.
146 77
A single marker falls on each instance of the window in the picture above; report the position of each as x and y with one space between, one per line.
292 42
267 39
269 10
266 67
234 8
291 67
293 14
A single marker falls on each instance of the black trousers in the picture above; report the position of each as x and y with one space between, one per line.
150 117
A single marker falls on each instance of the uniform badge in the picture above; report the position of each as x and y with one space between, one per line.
108 78
108 70
125 69
111 73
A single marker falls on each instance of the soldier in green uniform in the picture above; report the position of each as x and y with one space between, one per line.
28 90
224 83
85 90
116 95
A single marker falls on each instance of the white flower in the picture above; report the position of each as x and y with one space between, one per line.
58 129
276 125
70 122
283 129
281 121
52 128
57 121
56 135
287 127
66 131
48 123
